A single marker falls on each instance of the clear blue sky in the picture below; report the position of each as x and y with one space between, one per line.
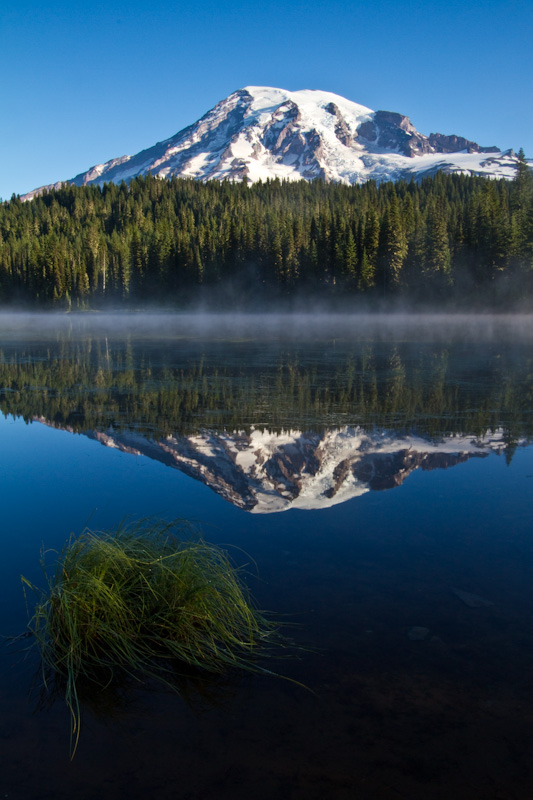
83 82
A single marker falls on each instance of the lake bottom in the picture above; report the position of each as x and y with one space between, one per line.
415 643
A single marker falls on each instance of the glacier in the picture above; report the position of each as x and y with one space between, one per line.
260 133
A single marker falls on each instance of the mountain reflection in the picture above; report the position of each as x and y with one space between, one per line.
271 424
265 472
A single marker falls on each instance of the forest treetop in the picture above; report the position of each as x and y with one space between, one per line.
448 238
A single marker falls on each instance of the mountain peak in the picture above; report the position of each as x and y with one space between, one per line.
261 132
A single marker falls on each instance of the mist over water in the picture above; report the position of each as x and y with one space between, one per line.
317 323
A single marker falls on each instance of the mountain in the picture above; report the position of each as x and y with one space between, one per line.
261 132
265 472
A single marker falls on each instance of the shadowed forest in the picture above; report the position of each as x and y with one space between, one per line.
451 239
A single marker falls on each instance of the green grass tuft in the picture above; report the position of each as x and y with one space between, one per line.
137 601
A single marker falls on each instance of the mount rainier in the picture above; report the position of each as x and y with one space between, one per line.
260 132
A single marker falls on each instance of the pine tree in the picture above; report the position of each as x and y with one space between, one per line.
392 246
437 262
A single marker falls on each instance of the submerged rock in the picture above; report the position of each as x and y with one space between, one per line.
472 600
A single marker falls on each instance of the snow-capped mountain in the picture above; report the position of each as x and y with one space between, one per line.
261 132
266 472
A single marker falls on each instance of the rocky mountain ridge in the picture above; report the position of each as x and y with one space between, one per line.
257 133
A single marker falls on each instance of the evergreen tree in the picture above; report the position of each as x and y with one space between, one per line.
392 246
437 263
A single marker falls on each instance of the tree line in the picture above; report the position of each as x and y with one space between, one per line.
449 237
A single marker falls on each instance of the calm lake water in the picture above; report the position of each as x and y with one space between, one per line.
379 474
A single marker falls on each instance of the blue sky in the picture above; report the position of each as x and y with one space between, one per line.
83 82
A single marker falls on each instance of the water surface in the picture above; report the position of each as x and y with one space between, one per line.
378 474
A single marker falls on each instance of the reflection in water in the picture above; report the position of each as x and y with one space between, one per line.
273 424
181 386
263 472
416 610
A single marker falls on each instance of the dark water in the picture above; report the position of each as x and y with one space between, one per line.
380 476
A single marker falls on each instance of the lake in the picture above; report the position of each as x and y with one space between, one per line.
373 474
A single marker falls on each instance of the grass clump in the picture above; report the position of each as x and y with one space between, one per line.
138 600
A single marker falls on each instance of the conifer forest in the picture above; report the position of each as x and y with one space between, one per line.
448 239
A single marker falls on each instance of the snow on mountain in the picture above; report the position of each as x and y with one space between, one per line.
265 472
261 132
